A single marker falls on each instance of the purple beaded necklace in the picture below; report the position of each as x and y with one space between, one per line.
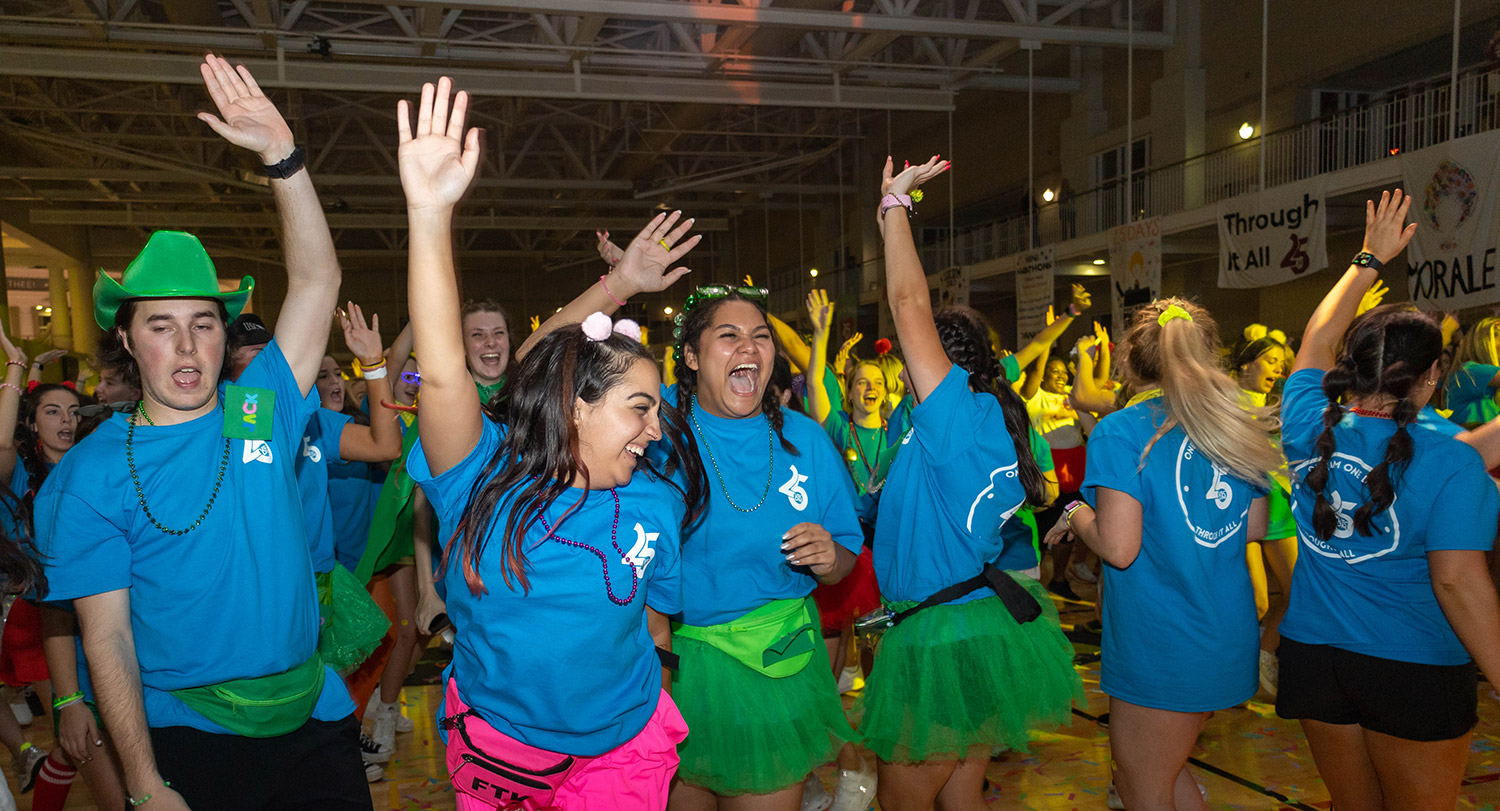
614 529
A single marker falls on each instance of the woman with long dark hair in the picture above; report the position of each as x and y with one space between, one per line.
1392 603
976 657
555 694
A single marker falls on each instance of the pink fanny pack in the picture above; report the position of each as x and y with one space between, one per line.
499 770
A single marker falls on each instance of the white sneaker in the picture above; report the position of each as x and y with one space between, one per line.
1082 573
855 791
384 731
1270 673
814 796
1112 798
373 772
373 709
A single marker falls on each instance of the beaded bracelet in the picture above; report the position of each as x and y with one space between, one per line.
12 386
63 701
136 802
19 363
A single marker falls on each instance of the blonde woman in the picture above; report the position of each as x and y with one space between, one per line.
1470 390
1176 487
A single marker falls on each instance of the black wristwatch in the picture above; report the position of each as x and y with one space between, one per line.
288 166
1367 260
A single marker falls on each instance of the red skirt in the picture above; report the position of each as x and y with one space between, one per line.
1068 464
21 659
851 598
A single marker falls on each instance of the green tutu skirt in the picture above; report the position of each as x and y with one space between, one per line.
353 625
749 733
953 677
1281 523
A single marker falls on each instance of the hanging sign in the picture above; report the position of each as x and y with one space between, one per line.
1134 268
1273 236
1034 288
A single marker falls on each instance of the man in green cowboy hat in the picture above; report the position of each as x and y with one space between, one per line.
177 533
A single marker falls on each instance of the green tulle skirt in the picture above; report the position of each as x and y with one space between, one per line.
955 677
749 733
353 625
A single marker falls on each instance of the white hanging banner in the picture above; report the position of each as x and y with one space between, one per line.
1273 236
1451 262
1033 293
1134 268
953 287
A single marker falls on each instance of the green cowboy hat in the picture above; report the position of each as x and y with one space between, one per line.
172 265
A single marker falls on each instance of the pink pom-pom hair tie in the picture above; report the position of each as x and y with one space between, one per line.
629 329
597 327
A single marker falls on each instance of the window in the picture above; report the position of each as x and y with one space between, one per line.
1108 173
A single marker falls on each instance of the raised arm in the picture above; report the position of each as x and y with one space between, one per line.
1101 340
249 120
10 403
820 309
380 441
399 351
109 645
1386 235
906 285
438 161
797 351
1089 396
641 269
1049 334
1032 381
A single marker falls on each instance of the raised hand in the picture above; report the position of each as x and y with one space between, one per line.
643 267
1101 335
608 251
849 347
50 356
911 177
13 353
362 339
438 160
1386 231
246 117
820 310
1372 297
1081 298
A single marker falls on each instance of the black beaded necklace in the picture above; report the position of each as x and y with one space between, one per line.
140 492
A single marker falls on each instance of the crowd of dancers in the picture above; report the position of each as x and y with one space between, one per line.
656 577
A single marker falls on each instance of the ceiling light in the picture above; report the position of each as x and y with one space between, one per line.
666 310
1047 196
813 273
1098 261
1246 131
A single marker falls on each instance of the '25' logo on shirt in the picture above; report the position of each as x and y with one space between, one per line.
641 555
793 490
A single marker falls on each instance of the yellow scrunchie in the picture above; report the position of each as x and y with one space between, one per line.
1172 313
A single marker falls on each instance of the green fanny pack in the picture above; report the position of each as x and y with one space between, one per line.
776 640
263 707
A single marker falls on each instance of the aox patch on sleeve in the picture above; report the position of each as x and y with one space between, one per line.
247 412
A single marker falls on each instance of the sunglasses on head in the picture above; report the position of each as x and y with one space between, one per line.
709 292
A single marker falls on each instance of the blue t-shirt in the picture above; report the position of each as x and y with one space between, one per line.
900 421
320 448
1021 552
232 599
352 491
1180 630
732 561
1372 594
952 486
562 667
874 450
1469 394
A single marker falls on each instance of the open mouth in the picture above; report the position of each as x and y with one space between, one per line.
490 359
187 377
742 379
65 437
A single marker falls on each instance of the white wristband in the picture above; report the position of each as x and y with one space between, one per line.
375 374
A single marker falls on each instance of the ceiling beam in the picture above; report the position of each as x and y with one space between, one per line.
265 219
97 65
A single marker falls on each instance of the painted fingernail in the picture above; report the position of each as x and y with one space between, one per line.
784 547
786 535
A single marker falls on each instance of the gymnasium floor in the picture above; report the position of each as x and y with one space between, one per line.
1248 758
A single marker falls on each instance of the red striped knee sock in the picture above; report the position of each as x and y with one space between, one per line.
53 784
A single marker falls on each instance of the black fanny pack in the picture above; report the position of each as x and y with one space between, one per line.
1022 606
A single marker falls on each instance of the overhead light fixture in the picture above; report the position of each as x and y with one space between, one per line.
1098 261
1047 196
1246 131
666 310
813 273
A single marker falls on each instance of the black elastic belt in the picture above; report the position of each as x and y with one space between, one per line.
1022 606
669 660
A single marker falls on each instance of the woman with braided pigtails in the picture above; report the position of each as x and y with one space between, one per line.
1392 605
975 658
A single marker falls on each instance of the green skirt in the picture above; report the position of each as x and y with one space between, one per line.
1281 523
353 625
749 733
953 677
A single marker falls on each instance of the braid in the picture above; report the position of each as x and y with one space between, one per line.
965 340
1335 382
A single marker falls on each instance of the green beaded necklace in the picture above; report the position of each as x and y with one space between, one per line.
135 478
770 462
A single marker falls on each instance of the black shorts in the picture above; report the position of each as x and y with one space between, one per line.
1404 699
